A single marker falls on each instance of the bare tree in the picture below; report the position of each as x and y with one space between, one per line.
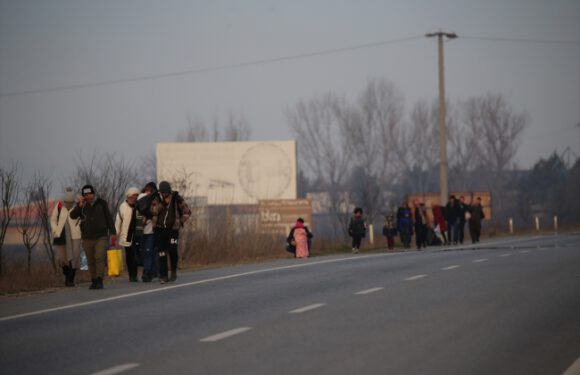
498 129
195 132
28 223
39 191
235 129
147 168
463 143
374 134
9 183
419 151
320 126
109 174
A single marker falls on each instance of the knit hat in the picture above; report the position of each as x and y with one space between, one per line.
164 187
87 189
132 191
68 195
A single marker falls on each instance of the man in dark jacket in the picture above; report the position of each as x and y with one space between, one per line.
452 214
96 227
170 212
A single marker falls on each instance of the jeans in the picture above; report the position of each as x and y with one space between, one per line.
147 250
454 231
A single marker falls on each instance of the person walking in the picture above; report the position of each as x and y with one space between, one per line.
452 213
357 229
170 212
477 215
440 222
96 227
125 226
405 224
390 230
420 220
144 235
66 234
463 217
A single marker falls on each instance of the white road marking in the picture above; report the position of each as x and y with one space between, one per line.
226 334
117 369
307 308
166 287
480 260
416 277
574 368
450 267
372 290
505 255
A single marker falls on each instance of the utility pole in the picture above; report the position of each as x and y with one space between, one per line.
443 187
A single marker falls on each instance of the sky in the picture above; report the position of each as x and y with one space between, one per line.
79 77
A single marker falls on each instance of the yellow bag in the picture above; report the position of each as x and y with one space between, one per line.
114 262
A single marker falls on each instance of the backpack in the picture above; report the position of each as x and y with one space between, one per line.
144 205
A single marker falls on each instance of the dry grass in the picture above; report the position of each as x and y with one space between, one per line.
199 251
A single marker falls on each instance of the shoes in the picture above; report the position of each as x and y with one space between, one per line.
145 278
173 276
163 280
96 283
133 279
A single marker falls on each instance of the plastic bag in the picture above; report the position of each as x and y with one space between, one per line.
114 262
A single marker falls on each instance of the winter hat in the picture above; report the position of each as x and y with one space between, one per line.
164 187
87 189
132 191
68 195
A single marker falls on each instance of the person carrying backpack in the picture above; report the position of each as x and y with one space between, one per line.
169 212
144 235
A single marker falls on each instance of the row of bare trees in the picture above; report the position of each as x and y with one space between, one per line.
27 207
358 151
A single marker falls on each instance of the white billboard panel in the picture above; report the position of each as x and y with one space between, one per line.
230 172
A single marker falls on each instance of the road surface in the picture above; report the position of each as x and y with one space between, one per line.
508 306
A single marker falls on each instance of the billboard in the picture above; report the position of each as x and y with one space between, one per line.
280 215
226 173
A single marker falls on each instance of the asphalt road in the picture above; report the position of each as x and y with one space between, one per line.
509 306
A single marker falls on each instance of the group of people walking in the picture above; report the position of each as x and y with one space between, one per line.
146 225
445 226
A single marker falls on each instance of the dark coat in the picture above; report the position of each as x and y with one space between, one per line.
96 220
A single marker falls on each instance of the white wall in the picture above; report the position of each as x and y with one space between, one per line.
230 172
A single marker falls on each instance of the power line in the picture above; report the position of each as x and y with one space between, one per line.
519 40
269 61
213 68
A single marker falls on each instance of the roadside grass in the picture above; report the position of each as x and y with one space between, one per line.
201 252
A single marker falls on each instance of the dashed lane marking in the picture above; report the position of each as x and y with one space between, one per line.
226 334
450 267
480 260
372 290
505 255
117 369
307 308
416 277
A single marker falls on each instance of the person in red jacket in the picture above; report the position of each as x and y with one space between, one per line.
440 221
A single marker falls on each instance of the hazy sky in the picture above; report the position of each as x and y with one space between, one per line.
48 44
